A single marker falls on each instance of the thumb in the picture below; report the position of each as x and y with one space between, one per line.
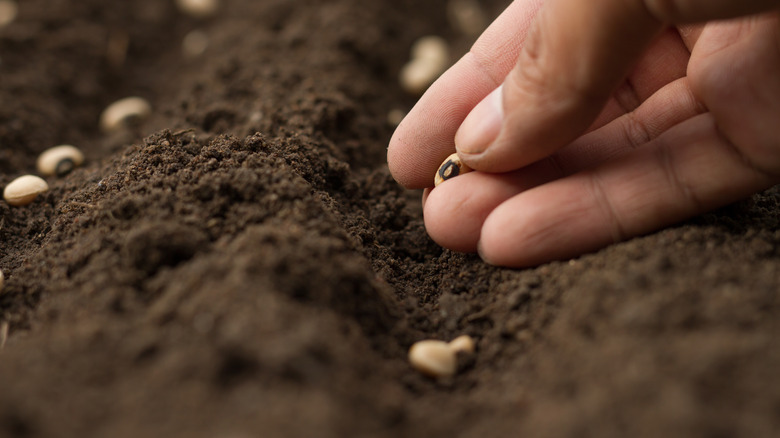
574 56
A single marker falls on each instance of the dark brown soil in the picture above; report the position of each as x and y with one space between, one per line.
242 264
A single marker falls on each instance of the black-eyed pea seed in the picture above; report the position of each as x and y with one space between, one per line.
24 190
463 343
429 59
198 8
417 76
450 168
431 48
59 160
119 113
433 358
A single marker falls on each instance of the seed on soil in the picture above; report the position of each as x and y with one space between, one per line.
198 8
59 160
429 59
467 16
431 48
24 190
194 44
464 343
433 358
123 111
450 168
8 10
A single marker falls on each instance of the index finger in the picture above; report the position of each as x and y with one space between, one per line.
425 136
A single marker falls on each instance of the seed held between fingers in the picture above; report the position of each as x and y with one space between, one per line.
119 113
59 160
450 168
24 190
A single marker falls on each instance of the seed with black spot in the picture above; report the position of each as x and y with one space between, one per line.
59 160
24 190
450 168
123 112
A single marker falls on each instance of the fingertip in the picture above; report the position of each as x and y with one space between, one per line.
398 161
425 194
449 220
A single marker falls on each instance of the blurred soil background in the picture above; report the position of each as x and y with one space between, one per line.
242 264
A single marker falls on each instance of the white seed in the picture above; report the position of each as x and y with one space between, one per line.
463 343
467 16
59 160
8 11
433 358
198 8
24 190
431 48
416 76
430 58
194 43
116 115
450 168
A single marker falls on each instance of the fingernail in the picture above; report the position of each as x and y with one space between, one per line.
481 126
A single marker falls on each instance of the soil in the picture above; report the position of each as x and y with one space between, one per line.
242 264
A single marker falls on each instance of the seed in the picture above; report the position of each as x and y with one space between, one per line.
119 113
59 160
433 358
429 59
2 280
431 48
198 8
24 190
463 343
450 168
8 10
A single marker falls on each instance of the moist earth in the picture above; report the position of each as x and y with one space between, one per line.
242 263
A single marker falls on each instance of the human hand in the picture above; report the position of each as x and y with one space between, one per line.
608 123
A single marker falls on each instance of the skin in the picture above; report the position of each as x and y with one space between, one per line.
583 135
